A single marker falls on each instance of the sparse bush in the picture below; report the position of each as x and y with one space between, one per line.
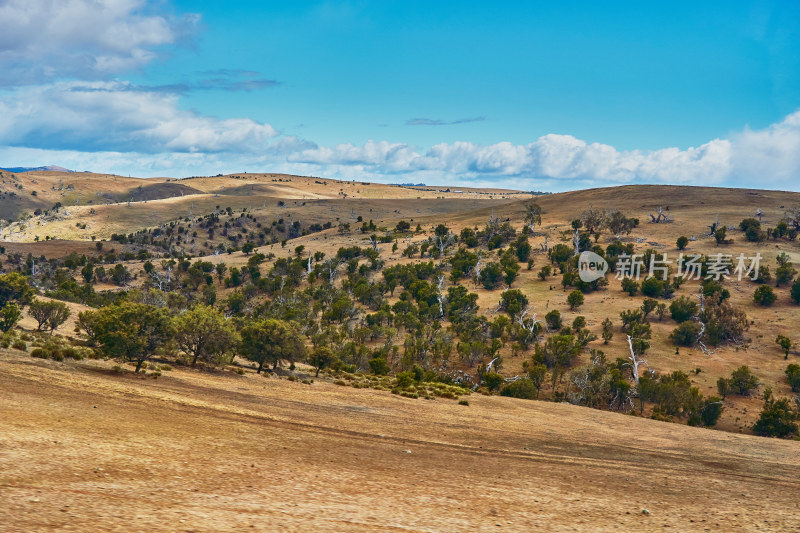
553 319
741 382
630 286
682 309
686 334
492 381
793 377
652 287
575 299
522 388
764 295
778 418
785 343
795 292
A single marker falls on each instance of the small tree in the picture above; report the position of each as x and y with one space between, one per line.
741 382
14 287
204 333
608 331
322 357
536 373
575 299
513 302
795 292
682 309
131 331
682 242
49 314
270 341
652 287
9 316
492 380
553 319
764 295
686 334
785 343
533 215
793 377
630 286
784 274
546 270
778 418
719 235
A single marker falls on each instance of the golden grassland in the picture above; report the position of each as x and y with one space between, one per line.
83 448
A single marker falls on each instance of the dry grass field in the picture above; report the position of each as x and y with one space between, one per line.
84 449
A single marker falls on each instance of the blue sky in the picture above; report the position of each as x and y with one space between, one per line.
549 96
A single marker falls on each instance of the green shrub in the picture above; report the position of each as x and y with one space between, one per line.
777 419
741 382
492 380
793 376
652 287
686 333
522 388
764 295
405 379
682 309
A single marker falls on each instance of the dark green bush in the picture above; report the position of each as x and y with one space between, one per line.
522 388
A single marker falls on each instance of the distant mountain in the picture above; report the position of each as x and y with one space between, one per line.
33 169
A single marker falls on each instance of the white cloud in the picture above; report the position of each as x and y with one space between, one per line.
145 134
43 40
558 157
116 116
771 155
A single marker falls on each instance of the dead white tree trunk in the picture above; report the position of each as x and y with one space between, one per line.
477 269
440 296
576 242
705 349
529 324
635 361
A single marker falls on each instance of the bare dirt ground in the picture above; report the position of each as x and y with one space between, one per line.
84 449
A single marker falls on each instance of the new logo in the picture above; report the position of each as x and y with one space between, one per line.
591 267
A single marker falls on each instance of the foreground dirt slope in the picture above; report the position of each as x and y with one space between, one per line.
85 450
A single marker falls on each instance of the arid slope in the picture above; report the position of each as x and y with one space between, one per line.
87 450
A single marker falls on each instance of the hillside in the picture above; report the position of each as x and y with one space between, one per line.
86 449
24 193
355 267
281 199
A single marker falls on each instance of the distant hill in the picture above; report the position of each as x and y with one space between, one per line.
34 169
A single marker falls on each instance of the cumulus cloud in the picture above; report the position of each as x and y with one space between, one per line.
43 40
117 116
114 126
770 155
554 157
